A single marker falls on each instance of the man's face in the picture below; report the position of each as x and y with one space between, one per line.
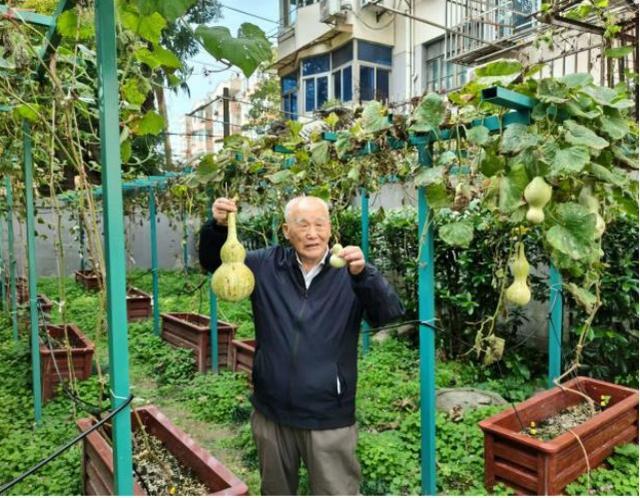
308 229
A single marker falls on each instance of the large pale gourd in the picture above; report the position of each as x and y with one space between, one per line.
518 292
233 280
537 193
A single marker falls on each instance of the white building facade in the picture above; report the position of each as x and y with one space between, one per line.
396 50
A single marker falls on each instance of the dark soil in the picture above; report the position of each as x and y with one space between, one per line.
159 471
561 422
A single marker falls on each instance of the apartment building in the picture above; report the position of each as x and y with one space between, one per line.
205 123
394 50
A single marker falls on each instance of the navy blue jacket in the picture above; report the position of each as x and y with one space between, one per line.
305 365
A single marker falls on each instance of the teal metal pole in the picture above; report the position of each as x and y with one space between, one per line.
185 241
426 314
32 270
555 324
364 195
105 21
213 319
154 261
12 258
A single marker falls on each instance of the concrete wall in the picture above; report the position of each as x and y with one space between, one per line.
170 255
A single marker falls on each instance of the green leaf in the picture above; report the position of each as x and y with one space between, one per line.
614 124
446 158
576 80
69 25
618 52
491 163
5 64
438 196
207 166
173 9
581 135
135 90
570 160
320 152
150 124
582 296
503 72
575 110
457 234
574 231
429 176
125 151
478 135
512 189
374 117
30 112
600 94
247 51
429 114
517 137
552 91
343 143
150 27
622 104
280 176
606 175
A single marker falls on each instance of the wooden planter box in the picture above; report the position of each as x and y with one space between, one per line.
82 350
535 467
242 353
191 331
88 279
97 459
138 304
45 304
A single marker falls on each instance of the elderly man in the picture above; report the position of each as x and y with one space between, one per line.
307 316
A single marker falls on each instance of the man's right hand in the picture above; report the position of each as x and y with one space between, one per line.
221 208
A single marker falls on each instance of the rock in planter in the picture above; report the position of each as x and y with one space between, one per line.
465 398
97 460
138 304
535 467
191 331
88 279
54 360
242 353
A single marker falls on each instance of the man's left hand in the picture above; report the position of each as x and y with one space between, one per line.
354 257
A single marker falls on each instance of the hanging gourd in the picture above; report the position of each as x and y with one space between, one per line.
591 203
518 292
537 193
335 260
233 280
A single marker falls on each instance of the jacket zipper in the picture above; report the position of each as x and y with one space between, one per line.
296 341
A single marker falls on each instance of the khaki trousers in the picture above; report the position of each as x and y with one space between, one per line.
328 455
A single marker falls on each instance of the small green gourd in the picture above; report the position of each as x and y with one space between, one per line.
590 202
537 193
335 260
233 280
518 292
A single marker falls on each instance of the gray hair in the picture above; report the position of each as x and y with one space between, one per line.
293 202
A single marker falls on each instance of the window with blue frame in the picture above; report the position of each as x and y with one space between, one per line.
342 70
374 52
441 75
315 80
289 94
375 70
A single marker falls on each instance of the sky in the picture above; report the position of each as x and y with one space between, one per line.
200 84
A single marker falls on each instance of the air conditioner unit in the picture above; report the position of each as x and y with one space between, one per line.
331 9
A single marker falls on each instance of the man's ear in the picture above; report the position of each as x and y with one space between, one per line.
285 230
